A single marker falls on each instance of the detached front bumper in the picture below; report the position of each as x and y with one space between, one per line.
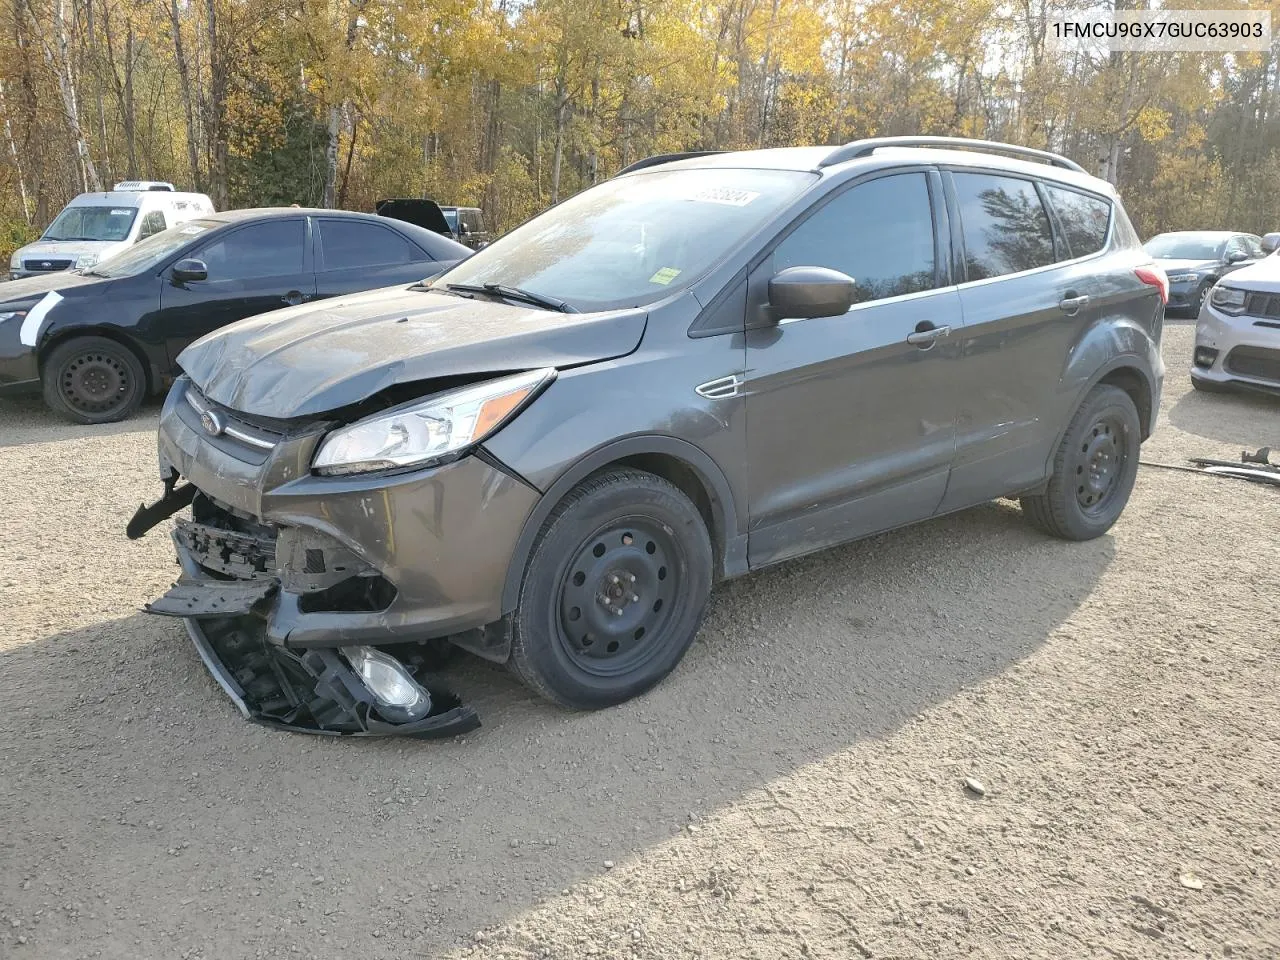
285 573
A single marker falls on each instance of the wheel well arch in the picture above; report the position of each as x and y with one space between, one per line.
1134 382
679 462
59 337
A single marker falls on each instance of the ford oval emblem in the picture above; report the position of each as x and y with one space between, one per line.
212 423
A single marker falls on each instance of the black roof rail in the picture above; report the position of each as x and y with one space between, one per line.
662 158
865 148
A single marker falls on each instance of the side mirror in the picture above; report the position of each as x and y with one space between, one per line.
805 292
1237 256
189 271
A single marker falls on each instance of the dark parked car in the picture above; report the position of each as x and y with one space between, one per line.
468 225
98 341
550 454
1194 260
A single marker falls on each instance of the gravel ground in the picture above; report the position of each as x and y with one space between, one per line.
797 788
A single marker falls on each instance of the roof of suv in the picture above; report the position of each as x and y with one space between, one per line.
887 153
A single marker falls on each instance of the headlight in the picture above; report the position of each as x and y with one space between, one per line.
1228 299
86 260
15 262
1184 278
429 431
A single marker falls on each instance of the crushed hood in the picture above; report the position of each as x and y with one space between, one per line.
306 360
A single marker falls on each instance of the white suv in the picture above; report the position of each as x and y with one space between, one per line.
1238 334
95 226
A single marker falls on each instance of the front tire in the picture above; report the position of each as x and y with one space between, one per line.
1093 470
613 592
93 380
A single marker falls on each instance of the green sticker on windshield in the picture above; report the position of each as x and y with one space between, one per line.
665 275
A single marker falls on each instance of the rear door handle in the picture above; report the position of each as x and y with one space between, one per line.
1073 304
926 333
293 298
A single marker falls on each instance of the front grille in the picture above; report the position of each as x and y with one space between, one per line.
1262 305
228 430
1254 362
38 266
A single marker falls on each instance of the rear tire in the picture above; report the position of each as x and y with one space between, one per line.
93 380
1093 470
613 592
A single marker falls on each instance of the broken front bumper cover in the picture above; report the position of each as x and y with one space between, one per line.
303 690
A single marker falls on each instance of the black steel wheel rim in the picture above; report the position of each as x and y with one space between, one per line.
1100 462
96 381
617 596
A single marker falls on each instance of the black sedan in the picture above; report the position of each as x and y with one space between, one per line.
97 342
1195 260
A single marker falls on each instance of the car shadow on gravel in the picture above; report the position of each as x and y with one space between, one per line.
1245 419
25 420
128 770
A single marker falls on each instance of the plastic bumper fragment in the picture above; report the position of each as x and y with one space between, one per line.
312 691
191 597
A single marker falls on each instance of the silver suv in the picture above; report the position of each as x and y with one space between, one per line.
549 454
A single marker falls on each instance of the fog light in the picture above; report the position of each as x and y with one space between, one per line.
400 697
1204 356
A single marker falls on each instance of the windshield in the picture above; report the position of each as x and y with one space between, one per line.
1175 246
147 254
631 240
92 223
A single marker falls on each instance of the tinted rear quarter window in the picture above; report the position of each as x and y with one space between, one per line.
1084 219
879 232
1006 229
350 243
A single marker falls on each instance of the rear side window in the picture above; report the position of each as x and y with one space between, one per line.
1006 229
879 232
152 224
272 249
350 243
1084 219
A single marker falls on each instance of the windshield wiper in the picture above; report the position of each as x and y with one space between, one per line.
512 293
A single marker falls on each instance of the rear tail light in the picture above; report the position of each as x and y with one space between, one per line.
1154 276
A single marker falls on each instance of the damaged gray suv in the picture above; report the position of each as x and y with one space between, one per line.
709 364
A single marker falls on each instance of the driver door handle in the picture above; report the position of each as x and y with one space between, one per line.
1071 304
926 333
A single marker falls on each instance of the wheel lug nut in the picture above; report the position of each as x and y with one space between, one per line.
635 598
